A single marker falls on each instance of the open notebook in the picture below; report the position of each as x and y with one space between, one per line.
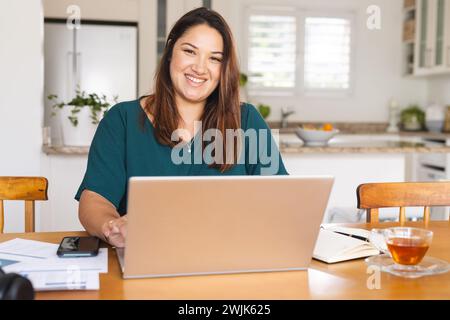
336 244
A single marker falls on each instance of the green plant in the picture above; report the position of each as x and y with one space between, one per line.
243 78
264 109
412 114
97 104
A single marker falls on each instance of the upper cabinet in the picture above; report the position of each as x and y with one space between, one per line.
429 49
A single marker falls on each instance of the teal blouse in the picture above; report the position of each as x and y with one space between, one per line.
123 148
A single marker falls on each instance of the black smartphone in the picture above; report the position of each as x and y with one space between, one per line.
71 247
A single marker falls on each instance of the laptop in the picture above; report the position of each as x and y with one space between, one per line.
180 226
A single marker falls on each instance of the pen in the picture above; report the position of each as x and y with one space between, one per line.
353 236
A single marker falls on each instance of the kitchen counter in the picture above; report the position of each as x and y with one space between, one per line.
65 150
403 142
370 143
425 134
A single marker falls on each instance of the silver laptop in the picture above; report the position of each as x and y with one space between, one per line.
181 226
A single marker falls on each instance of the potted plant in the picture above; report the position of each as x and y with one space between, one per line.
80 116
264 110
243 79
412 118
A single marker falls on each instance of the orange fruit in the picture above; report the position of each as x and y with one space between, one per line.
327 127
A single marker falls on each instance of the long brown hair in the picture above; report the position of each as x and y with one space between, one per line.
222 109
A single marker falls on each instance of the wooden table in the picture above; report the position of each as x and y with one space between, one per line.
347 280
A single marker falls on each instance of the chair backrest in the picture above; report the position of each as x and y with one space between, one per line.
372 196
28 189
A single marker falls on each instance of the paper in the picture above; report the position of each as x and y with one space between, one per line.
22 248
39 262
6 262
69 280
98 264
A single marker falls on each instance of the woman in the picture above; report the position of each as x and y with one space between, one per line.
196 92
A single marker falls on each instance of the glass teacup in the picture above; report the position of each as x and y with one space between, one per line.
407 246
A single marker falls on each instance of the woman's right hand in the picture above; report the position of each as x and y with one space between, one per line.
115 231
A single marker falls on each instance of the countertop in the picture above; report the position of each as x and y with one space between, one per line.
382 142
367 143
362 131
65 150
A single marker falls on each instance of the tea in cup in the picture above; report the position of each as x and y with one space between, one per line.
407 246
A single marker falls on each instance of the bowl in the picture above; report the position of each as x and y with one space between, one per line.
435 125
315 137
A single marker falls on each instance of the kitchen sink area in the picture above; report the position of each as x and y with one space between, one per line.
377 142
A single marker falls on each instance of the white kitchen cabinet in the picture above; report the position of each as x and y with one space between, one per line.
447 35
351 170
64 173
432 50
425 34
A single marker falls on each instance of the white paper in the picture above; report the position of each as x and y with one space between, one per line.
39 262
69 280
22 248
97 264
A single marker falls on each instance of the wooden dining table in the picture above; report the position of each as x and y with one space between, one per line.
348 280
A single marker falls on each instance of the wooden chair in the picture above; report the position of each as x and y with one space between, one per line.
372 196
23 188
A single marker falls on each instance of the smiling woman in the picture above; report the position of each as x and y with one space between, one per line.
196 64
198 79
196 90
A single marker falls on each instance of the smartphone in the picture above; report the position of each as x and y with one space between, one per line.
71 247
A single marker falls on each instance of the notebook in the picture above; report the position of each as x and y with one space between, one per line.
336 244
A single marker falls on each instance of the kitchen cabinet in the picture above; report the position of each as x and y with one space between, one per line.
447 35
432 41
350 170
64 173
434 167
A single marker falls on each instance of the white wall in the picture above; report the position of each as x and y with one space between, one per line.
439 90
21 96
377 63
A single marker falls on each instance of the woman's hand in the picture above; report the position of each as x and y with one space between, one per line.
115 231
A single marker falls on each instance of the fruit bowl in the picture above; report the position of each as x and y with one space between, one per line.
315 137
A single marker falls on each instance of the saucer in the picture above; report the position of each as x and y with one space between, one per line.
428 266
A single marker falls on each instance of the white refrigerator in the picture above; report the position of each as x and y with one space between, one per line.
98 57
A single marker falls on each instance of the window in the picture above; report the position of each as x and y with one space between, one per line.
327 53
272 51
294 51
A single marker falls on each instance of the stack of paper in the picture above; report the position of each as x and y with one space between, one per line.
38 262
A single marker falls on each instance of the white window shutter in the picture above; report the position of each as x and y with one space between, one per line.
327 53
272 51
